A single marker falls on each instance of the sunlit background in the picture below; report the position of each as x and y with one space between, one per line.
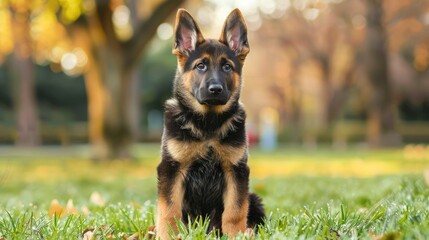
336 94
336 73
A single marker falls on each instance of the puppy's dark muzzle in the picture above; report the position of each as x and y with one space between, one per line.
215 89
214 94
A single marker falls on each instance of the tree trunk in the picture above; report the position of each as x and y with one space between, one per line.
381 112
25 103
134 105
112 106
23 77
95 92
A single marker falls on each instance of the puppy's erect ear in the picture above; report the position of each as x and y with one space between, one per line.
234 34
187 34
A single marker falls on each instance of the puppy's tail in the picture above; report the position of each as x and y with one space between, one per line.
256 213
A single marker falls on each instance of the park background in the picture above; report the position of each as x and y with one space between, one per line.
332 72
336 94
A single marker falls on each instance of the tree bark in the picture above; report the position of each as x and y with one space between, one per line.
24 83
25 103
381 109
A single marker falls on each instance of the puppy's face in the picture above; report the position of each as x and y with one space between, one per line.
209 71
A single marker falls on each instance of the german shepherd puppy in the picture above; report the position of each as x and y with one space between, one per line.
203 170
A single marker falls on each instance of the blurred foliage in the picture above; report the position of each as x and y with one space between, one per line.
62 98
56 92
157 71
59 92
414 112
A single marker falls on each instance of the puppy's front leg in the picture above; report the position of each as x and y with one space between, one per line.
236 202
170 197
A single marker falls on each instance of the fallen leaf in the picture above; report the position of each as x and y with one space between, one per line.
110 236
85 211
70 209
151 235
90 229
150 232
97 199
385 236
135 236
55 209
105 227
88 235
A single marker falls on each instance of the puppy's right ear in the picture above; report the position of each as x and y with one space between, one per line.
187 34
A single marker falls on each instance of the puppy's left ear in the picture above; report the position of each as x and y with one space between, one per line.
234 34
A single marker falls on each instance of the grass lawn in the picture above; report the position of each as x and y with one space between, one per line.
308 194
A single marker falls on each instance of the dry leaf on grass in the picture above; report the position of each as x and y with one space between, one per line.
151 232
384 236
148 234
55 209
85 210
102 232
88 234
70 209
97 199
110 236
135 236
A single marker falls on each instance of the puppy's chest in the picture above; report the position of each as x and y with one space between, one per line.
204 186
188 136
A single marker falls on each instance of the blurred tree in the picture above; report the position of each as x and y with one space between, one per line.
381 115
314 46
392 28
23 76
408 32
114 38
104 40
366 56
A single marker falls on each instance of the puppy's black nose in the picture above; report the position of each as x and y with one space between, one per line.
215 88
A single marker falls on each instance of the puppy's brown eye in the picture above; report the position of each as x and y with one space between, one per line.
201 66
227 67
